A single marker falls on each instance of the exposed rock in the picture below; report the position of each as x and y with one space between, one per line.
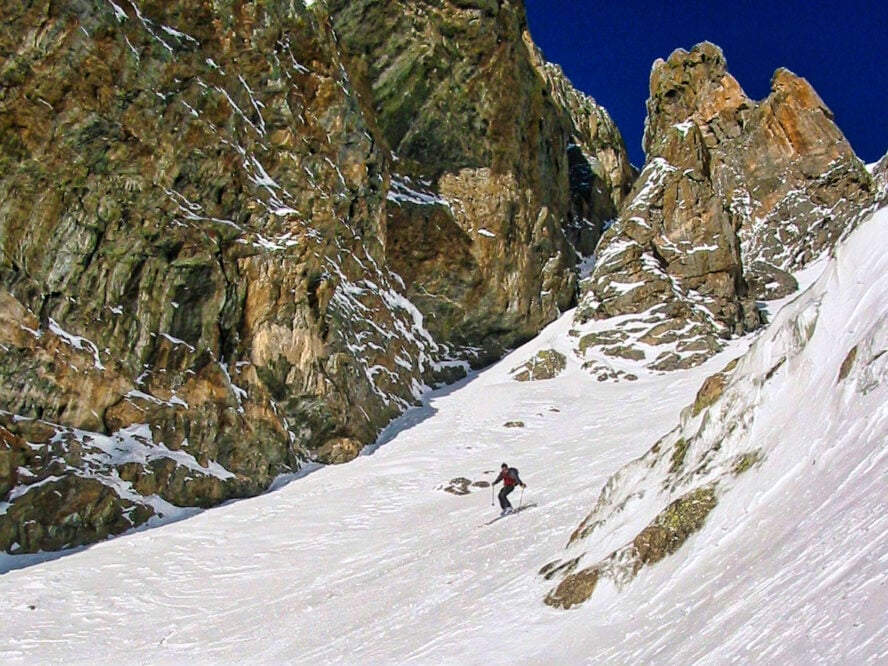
64 512
339 450
458 486
574 589
767 282
663 537
234 240
546 364
729 183
13 452
712 389
781 166
192 224
672 528
503 170
462 486
747 461
847 364
677 483
143 478
679 451
880 176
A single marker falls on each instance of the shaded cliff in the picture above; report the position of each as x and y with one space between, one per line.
512 171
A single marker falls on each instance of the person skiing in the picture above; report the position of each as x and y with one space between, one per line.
509 477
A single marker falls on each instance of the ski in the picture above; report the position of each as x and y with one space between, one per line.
516 511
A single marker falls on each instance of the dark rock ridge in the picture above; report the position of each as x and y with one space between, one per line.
733 197
233 240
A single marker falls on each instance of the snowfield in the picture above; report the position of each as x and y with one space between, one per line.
373 562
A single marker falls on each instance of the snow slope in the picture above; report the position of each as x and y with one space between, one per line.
373 563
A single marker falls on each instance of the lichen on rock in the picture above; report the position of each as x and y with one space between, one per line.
661 538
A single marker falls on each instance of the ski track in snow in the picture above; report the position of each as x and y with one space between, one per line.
371 563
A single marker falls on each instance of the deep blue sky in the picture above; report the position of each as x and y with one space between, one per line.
607 48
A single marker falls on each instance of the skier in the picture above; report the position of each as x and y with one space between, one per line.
509 477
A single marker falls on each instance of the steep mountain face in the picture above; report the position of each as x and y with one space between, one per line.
804 410
239 236
191 214
498 159
733 197
228 248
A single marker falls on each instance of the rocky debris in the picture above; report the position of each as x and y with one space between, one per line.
503 172
734 196
546 364
514 424
463 486
604 372
458 486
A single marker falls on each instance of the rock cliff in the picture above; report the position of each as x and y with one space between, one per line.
734 196
502 173
238 236
192 210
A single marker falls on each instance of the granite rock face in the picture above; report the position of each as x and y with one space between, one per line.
192 217
734 196
232 241
503 173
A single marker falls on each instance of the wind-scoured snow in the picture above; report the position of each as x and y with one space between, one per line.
373 563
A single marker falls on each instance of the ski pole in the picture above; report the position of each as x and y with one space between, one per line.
491 495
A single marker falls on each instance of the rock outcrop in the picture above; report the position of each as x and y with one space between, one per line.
503 172
236 238
546 364
880 175
233 241
191 214
734 196
736 427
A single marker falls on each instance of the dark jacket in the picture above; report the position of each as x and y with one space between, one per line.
509 478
